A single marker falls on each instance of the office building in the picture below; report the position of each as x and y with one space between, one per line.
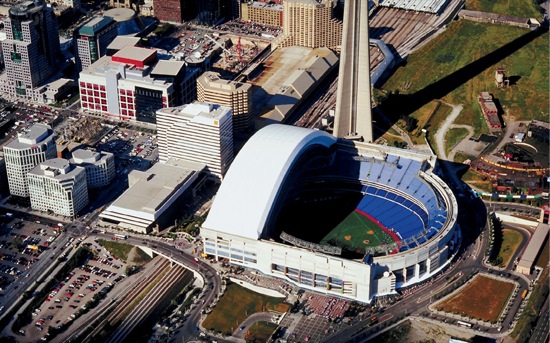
174 10
31 49
310 23
100 166
213 12
198 132
56 185
92 40
133 84
32 146
236 95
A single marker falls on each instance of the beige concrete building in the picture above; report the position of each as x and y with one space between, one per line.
310 23
269 14
236 95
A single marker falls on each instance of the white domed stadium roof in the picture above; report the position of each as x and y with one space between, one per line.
250 187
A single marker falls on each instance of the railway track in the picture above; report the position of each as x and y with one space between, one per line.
149 304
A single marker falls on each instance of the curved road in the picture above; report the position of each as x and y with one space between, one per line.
442 131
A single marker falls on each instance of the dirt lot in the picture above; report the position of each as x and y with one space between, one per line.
483 298
422 331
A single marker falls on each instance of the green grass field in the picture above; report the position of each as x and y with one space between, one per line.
510 242
236 305
357 232
460 63
120 250
518 8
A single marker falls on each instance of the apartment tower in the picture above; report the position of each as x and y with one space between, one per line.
236 95
310 23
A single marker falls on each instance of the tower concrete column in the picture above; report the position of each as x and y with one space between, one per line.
353 114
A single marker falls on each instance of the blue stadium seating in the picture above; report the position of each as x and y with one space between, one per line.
412 222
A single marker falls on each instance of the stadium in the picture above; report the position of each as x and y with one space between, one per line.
344 218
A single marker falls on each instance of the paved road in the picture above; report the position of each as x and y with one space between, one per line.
442 131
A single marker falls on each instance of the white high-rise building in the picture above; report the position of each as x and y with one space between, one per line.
100 166
31 147
198 132
58 186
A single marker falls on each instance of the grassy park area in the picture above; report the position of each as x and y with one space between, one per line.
483 298
236 305
453 137
260 332
477 180
460 63
120 250
518 8
510 241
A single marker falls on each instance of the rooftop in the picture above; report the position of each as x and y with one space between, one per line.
81 156
94 25
134 53
152 188
171 68
56 168
33 135
120 14
198 110
122 41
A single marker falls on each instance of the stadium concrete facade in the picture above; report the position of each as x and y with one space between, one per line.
281 166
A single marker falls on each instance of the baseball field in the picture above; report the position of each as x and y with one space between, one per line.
358 232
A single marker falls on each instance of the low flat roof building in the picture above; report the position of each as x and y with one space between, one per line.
148 200
527 261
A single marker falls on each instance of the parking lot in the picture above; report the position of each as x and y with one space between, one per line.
72 296
21 245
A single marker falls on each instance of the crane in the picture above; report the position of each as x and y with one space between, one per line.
221 46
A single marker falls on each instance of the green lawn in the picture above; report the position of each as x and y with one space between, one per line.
120 250
510 242
518 8
140 257
460 63
477 180
236 305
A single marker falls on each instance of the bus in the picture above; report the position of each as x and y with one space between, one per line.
524 294
464 324
120 236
